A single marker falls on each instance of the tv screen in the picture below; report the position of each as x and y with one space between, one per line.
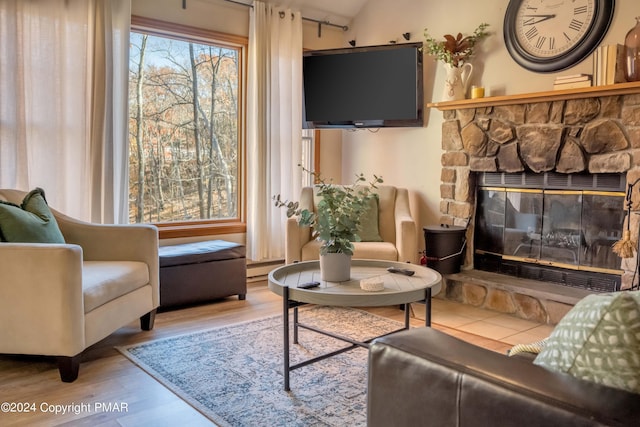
373 86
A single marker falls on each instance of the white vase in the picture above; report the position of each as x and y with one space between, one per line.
457 82
335 267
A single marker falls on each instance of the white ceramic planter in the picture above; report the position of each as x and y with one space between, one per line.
335 267
457 82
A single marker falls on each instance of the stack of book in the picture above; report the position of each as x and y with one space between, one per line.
609 65
572 81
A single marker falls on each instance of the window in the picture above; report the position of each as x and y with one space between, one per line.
186 138
309 156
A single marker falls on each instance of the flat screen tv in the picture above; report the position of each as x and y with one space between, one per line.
373 86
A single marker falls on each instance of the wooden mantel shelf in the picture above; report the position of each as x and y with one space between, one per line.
548 96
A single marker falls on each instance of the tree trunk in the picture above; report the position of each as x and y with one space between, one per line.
139 135
196 131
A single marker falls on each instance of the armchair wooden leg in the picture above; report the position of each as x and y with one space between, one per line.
69 366
146 321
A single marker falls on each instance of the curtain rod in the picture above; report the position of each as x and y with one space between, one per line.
320 23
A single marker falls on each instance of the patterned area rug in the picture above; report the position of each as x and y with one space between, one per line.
233 375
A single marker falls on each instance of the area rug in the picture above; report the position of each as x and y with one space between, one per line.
233 374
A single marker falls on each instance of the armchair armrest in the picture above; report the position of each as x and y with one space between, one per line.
297 237
406 234
110 242
41 303
424 374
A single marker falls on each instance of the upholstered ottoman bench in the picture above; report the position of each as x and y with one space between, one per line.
201 271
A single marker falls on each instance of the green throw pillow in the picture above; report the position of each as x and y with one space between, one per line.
598 340
368 229
31 222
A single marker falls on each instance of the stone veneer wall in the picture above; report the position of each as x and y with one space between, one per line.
595 135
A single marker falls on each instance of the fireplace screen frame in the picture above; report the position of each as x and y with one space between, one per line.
535 226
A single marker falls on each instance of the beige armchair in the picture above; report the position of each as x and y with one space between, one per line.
58 299
395 224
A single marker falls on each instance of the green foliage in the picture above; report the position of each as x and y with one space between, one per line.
183 115
455 51
338 213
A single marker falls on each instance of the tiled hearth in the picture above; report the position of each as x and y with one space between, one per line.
595 131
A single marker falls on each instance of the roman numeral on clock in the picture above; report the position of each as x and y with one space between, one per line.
575 25
579 10
540 42
533 31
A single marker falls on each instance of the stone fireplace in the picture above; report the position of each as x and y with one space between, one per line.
572 134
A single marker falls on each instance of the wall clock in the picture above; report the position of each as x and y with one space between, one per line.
551 35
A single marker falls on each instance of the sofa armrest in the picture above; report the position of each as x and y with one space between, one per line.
424 376
41 303
406 234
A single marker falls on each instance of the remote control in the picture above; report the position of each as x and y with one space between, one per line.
404 271
309 285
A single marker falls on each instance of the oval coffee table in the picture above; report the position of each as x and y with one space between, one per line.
398 289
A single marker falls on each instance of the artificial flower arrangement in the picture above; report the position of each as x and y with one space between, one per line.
455 51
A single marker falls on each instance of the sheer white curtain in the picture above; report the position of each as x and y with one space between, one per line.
63 103
274 124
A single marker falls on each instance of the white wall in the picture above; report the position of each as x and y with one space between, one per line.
411 157
212 15
226 17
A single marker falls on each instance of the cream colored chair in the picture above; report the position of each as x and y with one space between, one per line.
395 224
58 299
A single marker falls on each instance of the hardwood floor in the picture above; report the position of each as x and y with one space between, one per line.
112 391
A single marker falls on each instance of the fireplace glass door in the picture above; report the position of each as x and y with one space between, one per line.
602 220
571 229
551 227
489 231
562 237
523 223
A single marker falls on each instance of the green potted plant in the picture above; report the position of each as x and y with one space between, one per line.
455 53
336 221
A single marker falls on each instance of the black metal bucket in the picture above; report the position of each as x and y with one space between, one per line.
444 247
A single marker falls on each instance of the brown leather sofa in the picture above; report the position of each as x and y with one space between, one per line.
424 377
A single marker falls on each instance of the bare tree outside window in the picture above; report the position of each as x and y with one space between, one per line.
183 113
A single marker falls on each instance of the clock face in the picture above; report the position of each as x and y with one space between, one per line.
550 35
550 28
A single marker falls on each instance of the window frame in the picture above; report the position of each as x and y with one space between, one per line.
197 228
